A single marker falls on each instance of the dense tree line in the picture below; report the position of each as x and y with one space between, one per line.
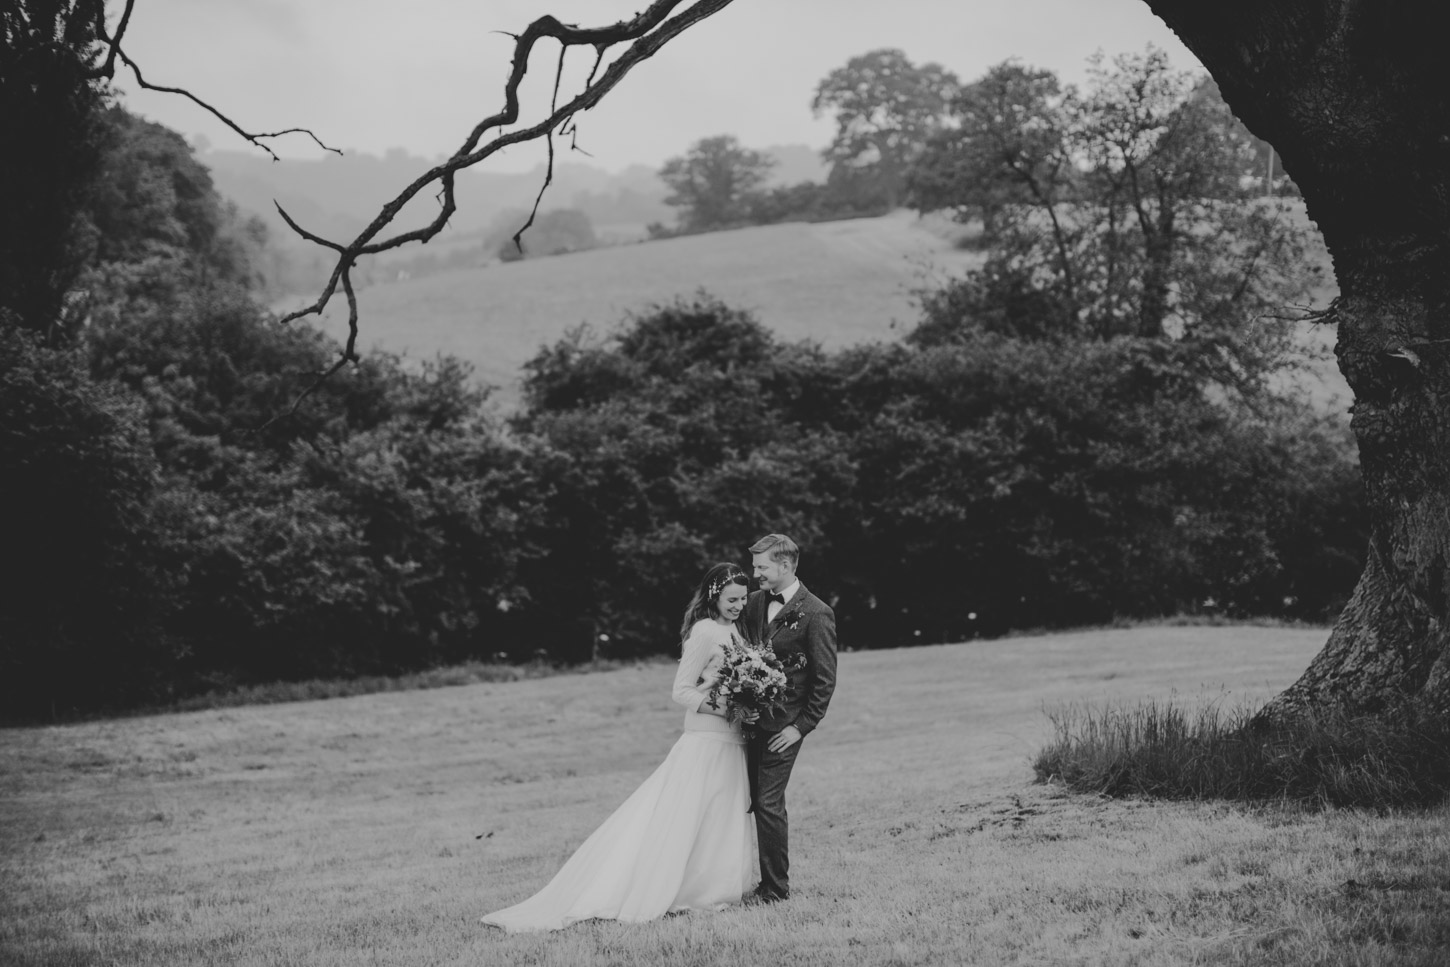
174 525
944 489
885 108
1017 150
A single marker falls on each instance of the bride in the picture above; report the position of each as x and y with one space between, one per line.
683 840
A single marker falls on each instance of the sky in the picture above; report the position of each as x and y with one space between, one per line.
372 75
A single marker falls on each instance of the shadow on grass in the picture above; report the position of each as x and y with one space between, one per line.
1166 750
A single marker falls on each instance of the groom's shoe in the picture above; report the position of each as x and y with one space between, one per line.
765 896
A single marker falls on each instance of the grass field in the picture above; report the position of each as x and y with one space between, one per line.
377 829
839 283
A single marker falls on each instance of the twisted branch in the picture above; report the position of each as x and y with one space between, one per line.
518 237
114 52
645 34
1327 316
348 355
113 44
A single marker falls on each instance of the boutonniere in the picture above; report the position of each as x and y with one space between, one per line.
792 619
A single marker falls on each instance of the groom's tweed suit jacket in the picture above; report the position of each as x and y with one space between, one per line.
805 625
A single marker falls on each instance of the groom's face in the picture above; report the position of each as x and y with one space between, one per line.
772 574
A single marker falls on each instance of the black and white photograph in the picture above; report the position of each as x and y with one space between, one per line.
736 483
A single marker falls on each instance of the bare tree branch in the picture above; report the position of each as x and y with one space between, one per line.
518 237
113 44
1297 312
348 355
571 128
254 138
292 224
115 52
644 34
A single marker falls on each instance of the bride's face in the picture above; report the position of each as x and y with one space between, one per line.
731 601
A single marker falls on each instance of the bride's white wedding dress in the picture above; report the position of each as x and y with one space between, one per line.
682 841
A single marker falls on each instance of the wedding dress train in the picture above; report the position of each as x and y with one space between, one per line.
681 841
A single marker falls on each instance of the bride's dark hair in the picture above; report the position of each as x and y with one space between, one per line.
702 605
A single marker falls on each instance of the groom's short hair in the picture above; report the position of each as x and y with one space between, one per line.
779 547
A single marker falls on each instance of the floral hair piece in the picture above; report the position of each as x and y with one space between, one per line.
718 585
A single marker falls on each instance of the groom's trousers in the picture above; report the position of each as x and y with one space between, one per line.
769 773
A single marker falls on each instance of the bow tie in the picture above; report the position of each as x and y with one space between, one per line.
777 597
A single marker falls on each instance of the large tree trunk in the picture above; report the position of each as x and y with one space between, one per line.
1355 96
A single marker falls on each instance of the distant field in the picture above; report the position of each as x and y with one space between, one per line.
377 829
839 283
836 282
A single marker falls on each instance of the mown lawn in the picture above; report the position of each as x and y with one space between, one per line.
377 829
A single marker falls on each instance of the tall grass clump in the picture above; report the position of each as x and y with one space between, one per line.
1170 750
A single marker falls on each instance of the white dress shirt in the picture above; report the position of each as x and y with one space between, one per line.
773 608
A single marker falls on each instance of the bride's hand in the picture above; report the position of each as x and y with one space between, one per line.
749 716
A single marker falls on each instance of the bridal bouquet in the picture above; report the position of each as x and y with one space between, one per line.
751 680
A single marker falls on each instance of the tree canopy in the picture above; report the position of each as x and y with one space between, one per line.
1127 209
885 108
713 182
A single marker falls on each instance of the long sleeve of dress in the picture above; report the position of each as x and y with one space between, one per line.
703 653
698 649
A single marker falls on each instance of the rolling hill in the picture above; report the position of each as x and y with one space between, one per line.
336 196
837 283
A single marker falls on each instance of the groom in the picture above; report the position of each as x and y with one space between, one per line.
793 621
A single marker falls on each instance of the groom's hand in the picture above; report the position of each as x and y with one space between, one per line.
784 739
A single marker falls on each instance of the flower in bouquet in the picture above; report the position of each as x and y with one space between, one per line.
751 680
